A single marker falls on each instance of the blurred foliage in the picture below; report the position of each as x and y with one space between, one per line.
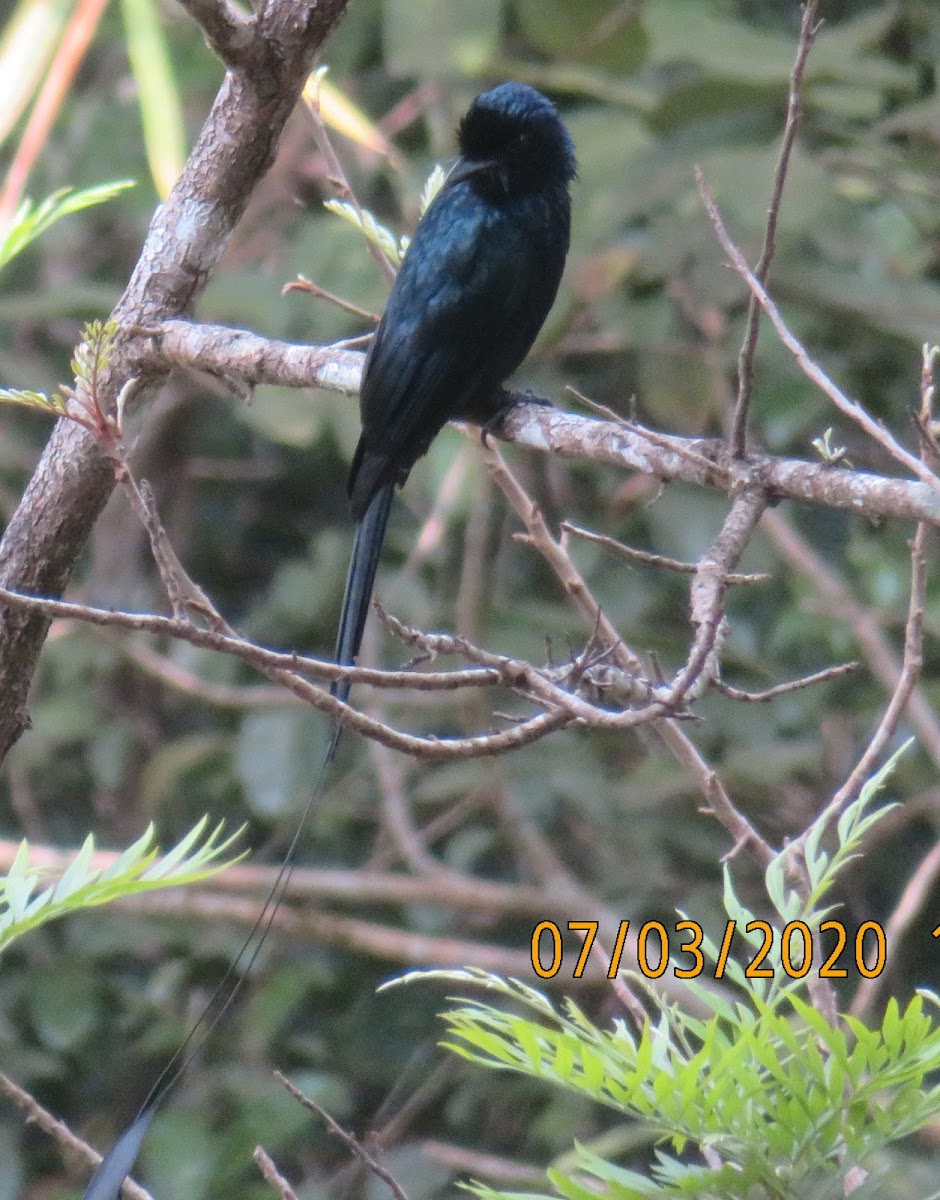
763 1098
30 220
141 868
253 498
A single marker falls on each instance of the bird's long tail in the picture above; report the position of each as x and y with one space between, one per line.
367 548
363 564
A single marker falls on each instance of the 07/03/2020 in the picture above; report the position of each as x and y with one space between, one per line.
795 944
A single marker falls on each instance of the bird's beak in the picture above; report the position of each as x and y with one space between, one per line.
465 168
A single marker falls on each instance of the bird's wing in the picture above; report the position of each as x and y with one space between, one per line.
471 294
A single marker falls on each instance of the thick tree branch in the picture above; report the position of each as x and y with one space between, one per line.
246 359
228 31
187 235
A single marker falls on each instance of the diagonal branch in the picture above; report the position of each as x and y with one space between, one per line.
61 1133
851 408
187 235
246 359
228 31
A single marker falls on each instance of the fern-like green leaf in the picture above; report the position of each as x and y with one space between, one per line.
30 220
140 868
54 405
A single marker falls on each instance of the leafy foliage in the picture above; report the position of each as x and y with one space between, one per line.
371 229
772 1096
31 220
79 402
140 868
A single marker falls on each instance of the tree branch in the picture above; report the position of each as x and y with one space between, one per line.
187 235
246 358
851 408
61 1133
228 31
809 28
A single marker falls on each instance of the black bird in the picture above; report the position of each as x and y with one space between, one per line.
476 284
473 291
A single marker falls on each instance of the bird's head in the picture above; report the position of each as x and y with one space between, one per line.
515 133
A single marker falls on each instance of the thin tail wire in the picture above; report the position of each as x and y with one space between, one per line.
117 1164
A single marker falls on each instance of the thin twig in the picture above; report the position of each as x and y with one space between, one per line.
273 1175
910 673
337 177
851 408
483 745
718 802
781 689
708 592
809 28
303 284
653 560
841 604
505 1172
58 1130
249 652
351 1142
917 892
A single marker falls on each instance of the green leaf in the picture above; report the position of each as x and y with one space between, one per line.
81 885
29 220
370 228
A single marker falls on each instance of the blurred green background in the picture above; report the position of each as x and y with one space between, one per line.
252 495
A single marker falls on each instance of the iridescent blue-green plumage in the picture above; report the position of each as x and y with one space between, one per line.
477 283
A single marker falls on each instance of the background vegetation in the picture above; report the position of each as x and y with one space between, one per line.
252 497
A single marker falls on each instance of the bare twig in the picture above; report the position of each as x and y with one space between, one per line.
851 408
522 734
842 604
505 1172
652 560
388 943
303 284
781 689
234 696
718 802
348 1139
910 672
809 28
273 1175
921 883
58 1130
249 652
337 177
184 594
917 892
708 592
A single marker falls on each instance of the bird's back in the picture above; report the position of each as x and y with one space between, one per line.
472 293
